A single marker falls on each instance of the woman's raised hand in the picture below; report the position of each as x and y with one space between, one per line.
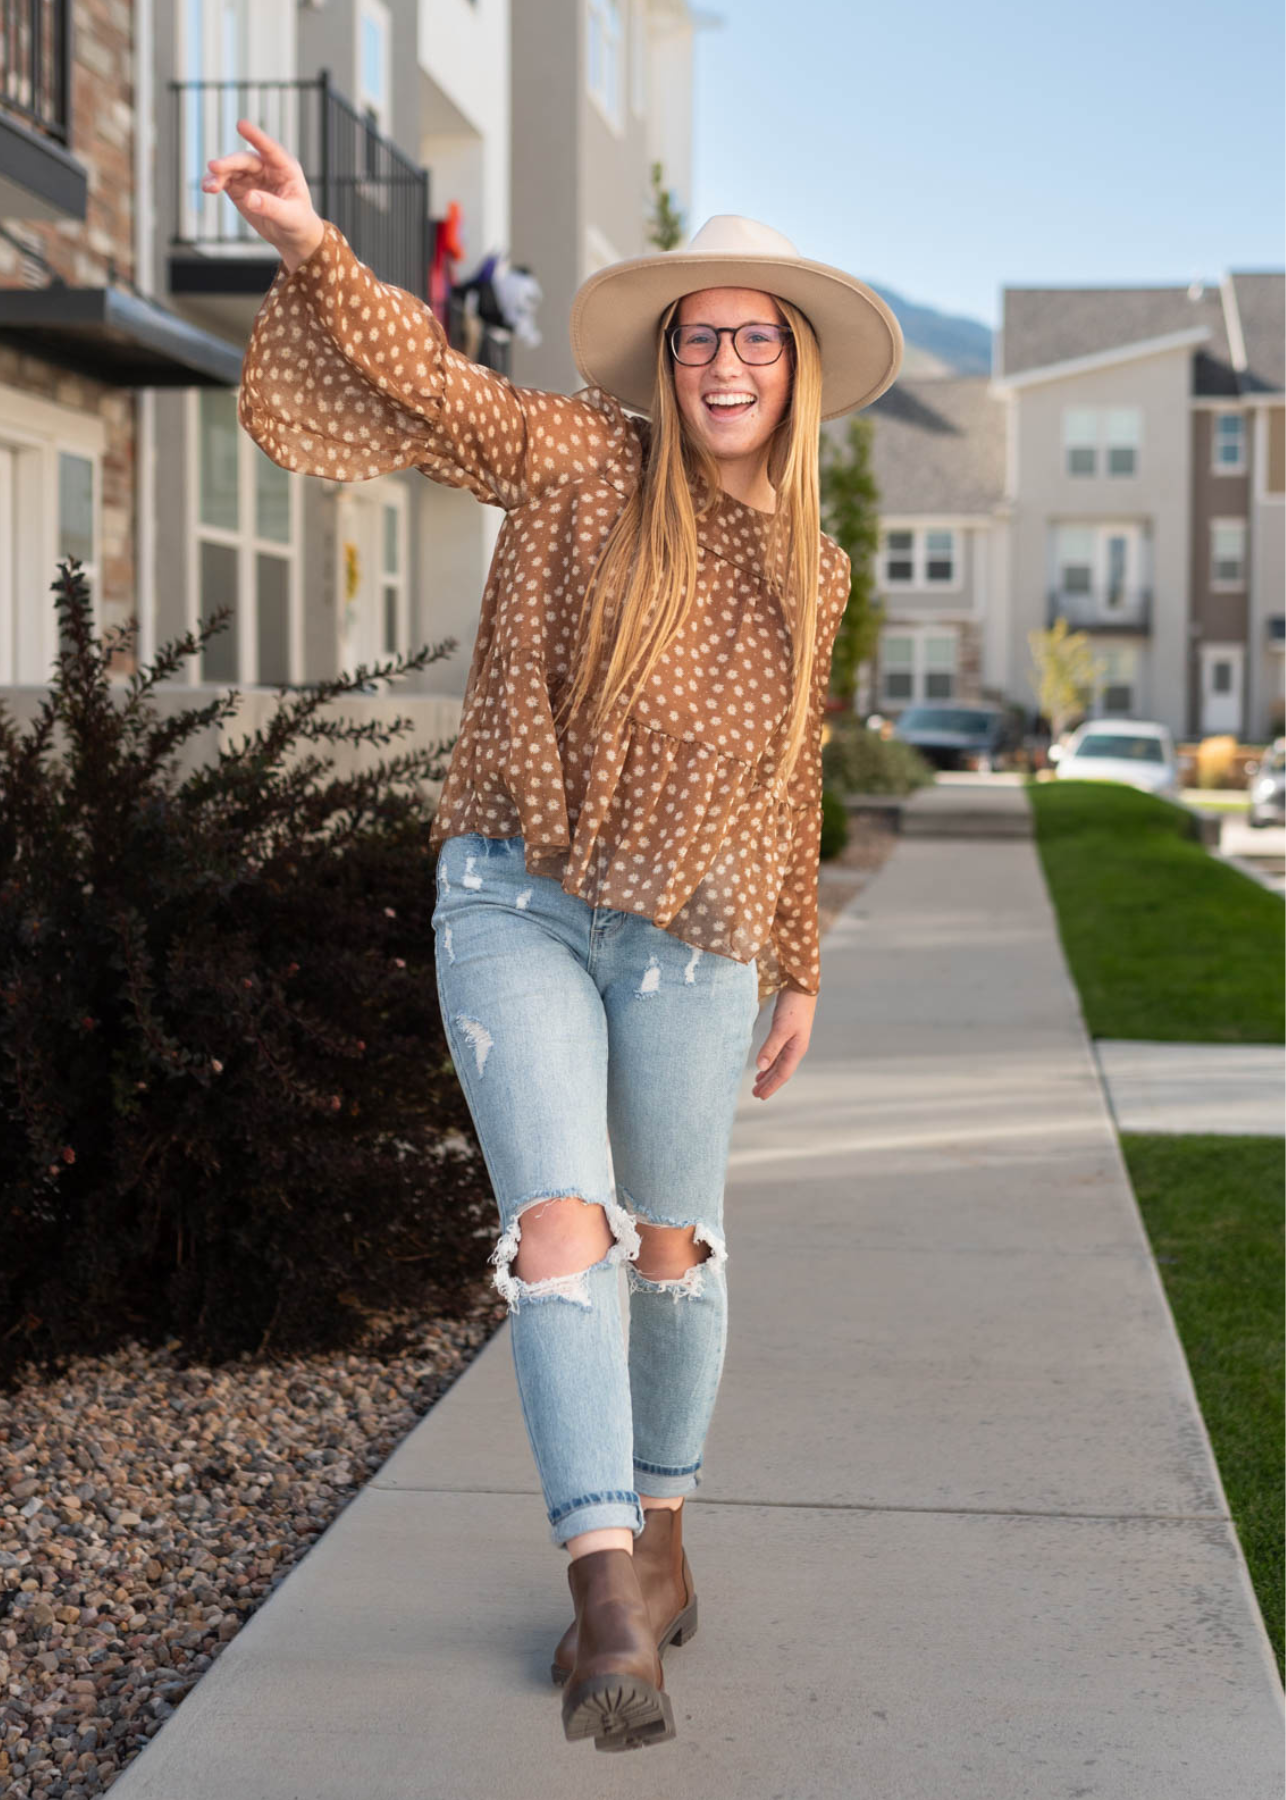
267 186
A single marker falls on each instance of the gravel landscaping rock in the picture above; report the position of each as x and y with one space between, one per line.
146 1511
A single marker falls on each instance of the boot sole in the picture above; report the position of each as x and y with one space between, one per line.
678 1631
620 1712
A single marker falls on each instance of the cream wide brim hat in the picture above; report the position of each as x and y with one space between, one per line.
616 312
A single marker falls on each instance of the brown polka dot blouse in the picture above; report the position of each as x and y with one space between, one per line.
675 813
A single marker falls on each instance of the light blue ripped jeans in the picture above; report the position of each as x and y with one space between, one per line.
600 1057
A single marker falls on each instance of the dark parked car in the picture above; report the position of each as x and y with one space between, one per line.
1267 787
957 735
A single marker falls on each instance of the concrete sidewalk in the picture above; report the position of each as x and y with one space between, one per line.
961 1535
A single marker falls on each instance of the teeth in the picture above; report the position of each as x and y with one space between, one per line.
728 399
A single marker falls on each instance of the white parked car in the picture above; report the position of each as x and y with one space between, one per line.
1136 751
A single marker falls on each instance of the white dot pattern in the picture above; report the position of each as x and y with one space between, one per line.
674 812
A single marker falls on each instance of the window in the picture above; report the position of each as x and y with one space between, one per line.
604 59
1228 443
1097 571
1076 559
1227 553
1105 441
374 64
51 498
1118 680
897 663
1080 440
246 549
917 665
924 557
940 556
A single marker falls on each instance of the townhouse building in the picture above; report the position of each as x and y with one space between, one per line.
127 296
81 334
602 89
398 113
1124 468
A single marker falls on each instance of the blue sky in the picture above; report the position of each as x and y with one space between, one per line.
946 151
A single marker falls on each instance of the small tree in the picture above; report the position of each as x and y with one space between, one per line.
850 513
665 229
1064 674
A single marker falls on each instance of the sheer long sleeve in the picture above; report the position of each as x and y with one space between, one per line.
348 377
795 939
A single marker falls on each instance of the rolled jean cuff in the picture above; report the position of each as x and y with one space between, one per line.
665 1485
599 1512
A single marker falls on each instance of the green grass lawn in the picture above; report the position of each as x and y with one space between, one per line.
1164 940
1213 1211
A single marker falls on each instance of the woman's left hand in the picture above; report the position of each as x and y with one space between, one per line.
783 1048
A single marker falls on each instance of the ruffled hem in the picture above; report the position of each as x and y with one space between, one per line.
666 827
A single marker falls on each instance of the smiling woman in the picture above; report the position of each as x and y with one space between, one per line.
628 828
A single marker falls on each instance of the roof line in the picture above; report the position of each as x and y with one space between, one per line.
1103 359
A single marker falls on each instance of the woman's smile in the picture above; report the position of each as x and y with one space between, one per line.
725 404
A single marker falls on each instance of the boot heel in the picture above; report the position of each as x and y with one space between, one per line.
619 1712
683 1628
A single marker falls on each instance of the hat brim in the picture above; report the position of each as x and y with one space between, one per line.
616 313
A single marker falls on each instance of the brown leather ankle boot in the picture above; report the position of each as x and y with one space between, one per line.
666 1580
616 1690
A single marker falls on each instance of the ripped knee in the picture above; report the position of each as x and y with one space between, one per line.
699 1247
571 1284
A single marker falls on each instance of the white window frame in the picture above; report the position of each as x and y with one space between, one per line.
1113 677
1096 596
267 48
920 560
1228 468
605 36
37 431
248 545
1227 584
381 105
920 667
1113 428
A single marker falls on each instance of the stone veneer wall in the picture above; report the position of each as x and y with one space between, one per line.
90 253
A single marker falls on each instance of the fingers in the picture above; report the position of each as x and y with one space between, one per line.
270 150
777 1061
270 208
224 169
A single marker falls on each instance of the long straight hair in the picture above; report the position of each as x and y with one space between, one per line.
643 586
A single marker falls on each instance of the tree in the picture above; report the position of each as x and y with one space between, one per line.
665 228
850 513
1064 674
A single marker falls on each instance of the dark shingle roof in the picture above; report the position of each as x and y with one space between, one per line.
938 445
1260 296
1040 326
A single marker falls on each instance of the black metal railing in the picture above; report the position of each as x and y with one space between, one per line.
375 194
1088 612
35 64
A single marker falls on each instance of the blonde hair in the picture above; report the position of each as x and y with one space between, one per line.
644 583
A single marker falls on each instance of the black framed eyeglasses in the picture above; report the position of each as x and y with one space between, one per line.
755 344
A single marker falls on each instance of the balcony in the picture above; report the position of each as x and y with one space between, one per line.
375 194
39 178
1128 615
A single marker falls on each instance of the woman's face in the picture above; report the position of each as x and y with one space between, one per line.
760 391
